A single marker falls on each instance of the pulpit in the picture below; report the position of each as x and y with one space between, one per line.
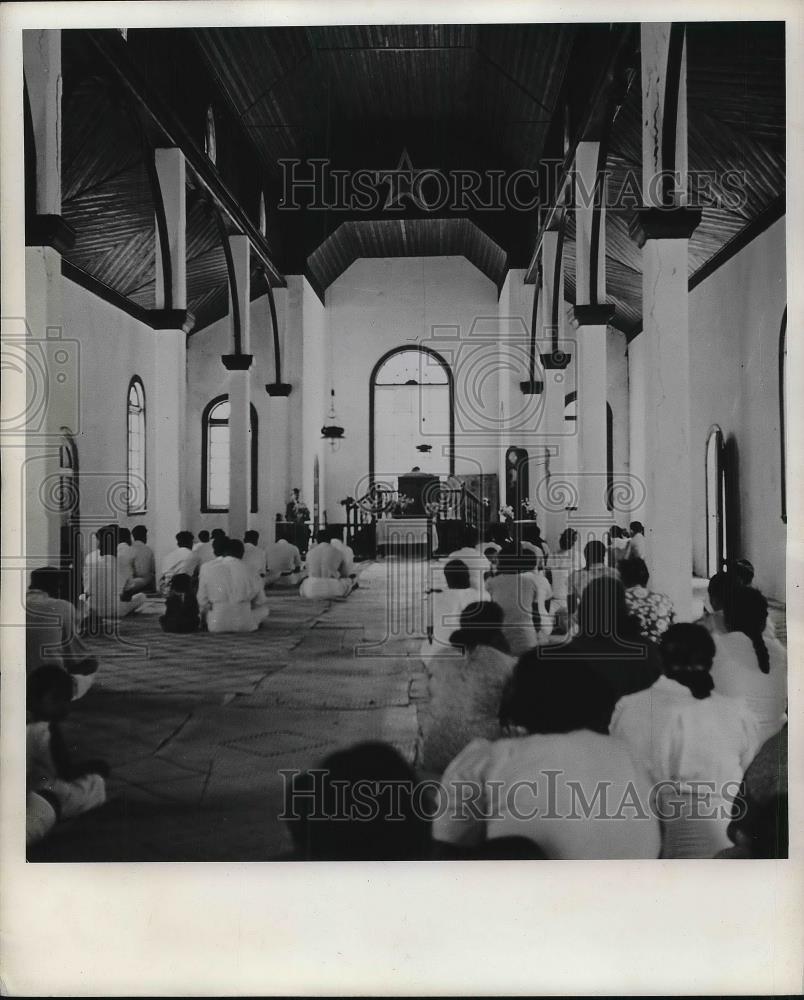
420 487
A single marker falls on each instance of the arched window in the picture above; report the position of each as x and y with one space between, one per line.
715 501
210 141
782 413
411 414
136 492
215 456
609 457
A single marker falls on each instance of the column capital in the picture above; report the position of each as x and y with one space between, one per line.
237 362
49 231
278 389
663 224
555 360
171 319
593 315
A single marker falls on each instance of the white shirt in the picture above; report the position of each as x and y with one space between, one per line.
552 812
680 738
447 608
204 552
281 557
325 562
254 558
736 672
125 561
103 583
636 547
179 561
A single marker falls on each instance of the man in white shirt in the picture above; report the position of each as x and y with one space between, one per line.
254 554
283 564
636 544
181 560
143 566
326 568
125 557
477 564
203 548
226 591
103 581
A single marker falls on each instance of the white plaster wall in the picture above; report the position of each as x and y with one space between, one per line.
617 397
380 304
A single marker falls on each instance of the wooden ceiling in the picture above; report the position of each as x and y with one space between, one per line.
483 97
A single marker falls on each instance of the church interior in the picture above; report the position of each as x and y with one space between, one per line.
344 341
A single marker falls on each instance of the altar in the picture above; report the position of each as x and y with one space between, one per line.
397 533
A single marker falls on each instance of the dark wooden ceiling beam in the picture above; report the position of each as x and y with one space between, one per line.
112 47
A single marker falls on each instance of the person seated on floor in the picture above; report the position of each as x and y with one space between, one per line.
594 555
181 560
203 547
447 605
283 564
465 691
618 544
254 554
653 611
747 663
348 555
226 590
743 572
636 543
534 784
326 571
535 558
515 590
104 583
687 736
360 804
712 617
472 556
143 566
181 606
492 554
51 632
125 558
56 788
562 565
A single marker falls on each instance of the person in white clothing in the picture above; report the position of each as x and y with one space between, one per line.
143 567
447 606
181 560
254 554
476 562
348 554
203 548
749 664
326 569
543 620
104 582
683 732
226 591
545 786
562 565
283 564
636 543
125 558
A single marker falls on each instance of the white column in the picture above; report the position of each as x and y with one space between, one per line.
663 232
240 396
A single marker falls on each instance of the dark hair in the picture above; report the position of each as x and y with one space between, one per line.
107 540
49 679
556 696
594 552
251 536
746 611
218 533
234 547
456 573
512 559
602 611
139 532
49 579
220 544
687 651
638 527
470 536
567 538
181 583
184 539
322 535
744 572
481 625
499 533
719 586
123 535
203 535
634 572
359 805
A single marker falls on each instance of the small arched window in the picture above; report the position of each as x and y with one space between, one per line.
215 456
782 413
715 501
136 492
210 140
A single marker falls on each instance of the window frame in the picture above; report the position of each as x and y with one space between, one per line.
136 383
206 422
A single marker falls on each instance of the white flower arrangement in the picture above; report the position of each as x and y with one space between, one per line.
506 512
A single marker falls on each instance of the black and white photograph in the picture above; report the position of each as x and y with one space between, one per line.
399 415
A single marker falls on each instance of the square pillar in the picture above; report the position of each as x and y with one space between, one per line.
239 388
168 435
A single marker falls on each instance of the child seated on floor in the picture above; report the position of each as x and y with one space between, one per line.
56 789
181 606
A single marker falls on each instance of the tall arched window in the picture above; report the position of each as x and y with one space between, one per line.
715 501
215 456
609 457
210 139
411 414
782 413
136 492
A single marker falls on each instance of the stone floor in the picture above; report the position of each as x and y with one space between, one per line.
197 728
